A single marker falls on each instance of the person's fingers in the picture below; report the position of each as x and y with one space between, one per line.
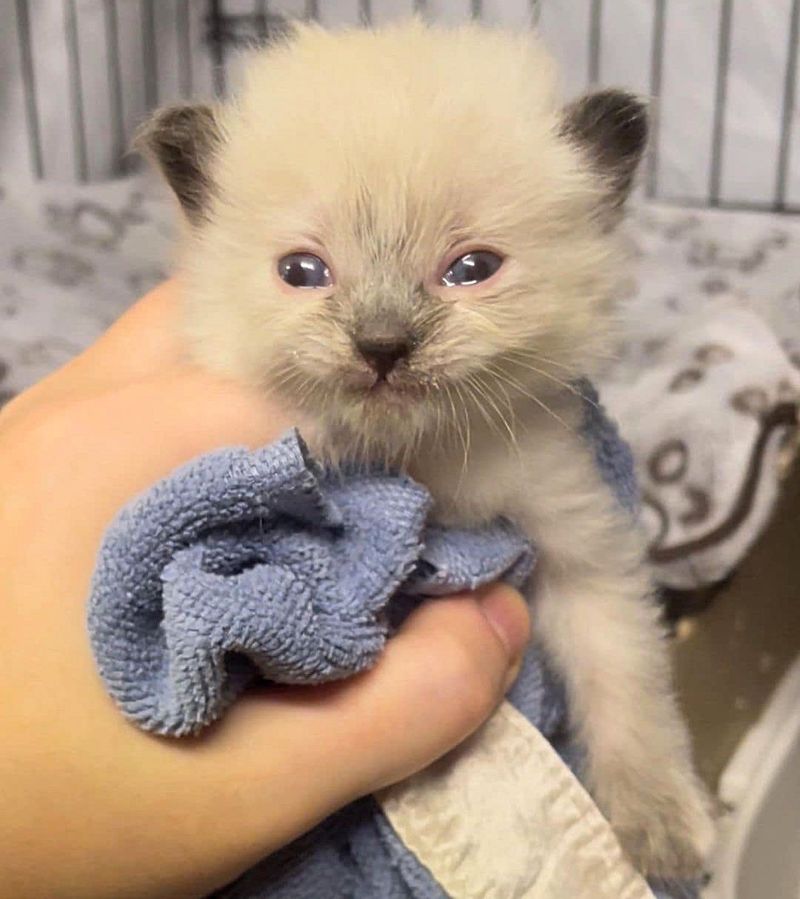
441 678
283 758
437 681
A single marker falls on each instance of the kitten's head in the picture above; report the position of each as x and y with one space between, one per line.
398 228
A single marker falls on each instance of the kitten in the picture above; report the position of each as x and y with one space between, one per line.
403 236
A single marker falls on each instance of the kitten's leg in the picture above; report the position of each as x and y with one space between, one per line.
595 617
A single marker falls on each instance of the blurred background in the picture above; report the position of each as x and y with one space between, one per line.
723 73
706 379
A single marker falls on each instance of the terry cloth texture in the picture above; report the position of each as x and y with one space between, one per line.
244 564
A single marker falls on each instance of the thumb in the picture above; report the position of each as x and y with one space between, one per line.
285 758
438 680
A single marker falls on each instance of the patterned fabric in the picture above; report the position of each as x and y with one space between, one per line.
707 384
72 260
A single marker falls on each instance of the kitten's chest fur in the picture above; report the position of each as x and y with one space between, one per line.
492 472
498 473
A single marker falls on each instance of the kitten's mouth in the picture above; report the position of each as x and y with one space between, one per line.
387 390
384 390
394 389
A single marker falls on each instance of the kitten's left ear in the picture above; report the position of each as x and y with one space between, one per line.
611 128
182 141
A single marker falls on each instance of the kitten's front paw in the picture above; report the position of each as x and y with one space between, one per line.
661 817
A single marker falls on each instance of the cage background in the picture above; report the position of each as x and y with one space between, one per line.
76 77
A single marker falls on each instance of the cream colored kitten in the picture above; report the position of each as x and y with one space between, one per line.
404 236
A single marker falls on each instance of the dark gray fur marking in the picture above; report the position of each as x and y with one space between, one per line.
182 140
611 126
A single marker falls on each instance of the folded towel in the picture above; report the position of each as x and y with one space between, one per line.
246 563
260 564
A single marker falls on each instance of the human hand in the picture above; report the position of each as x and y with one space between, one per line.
93 807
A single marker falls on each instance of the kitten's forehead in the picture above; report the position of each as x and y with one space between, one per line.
369 79
404 129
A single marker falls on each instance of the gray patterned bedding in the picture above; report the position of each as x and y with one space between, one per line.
705 385
72 258
707 381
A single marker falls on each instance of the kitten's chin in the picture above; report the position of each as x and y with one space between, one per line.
387 408
382 428
382 396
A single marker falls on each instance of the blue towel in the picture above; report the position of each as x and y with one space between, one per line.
245 565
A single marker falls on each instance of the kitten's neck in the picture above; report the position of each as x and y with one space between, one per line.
462 444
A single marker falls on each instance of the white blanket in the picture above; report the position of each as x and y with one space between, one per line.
502 817
706 384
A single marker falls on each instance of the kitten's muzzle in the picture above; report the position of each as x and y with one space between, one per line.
383 353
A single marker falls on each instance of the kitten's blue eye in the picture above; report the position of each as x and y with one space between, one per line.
305 270
471 268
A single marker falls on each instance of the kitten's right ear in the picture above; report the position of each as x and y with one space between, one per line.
182 141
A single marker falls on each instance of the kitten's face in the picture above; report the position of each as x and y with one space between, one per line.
401 238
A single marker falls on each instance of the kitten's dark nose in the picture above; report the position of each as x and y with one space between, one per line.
382 353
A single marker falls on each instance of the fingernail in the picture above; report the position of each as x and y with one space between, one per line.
507 613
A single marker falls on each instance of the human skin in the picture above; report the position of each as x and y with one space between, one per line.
93 807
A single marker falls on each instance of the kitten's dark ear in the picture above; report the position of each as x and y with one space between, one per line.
182 140
611 127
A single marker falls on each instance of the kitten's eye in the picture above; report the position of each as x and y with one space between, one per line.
471 268
305 270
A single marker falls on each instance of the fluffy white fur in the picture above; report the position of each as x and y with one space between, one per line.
382 152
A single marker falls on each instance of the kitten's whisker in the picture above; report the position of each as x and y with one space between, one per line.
512 427
482 390
528 353
476 398
460 432
539 402
478 394
467 429
437 430
487 322
565 384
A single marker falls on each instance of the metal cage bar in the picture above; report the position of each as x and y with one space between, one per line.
114 82
595 38
217 43
28 79
656 80
720 100
76 92
788 109
149 58
225 28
